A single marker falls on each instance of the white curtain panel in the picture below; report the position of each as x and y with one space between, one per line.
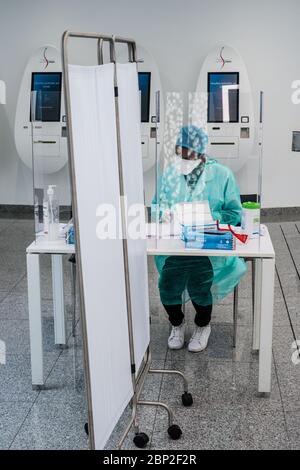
130 127
97 182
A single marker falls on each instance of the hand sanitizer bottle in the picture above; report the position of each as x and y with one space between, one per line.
53 213
45 217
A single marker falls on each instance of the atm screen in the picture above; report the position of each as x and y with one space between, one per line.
223 97
144 86
47 98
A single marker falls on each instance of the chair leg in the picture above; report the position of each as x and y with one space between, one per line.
235 312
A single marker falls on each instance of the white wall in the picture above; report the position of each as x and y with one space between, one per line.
179 34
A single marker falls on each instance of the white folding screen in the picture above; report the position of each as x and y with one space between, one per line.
96 177
129 112
97 182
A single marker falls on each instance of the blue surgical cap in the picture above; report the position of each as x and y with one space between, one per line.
193 138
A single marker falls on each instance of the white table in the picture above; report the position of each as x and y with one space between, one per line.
262 252
33 252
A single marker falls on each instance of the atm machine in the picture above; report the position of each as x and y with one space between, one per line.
147 134
40 123
43 78
229 115
149 84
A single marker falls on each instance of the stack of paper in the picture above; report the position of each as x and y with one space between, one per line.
194 214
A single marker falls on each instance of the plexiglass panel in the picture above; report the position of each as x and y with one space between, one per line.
49 146
208 182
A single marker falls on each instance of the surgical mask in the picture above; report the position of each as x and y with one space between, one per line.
185 167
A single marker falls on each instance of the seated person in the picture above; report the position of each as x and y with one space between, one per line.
193 176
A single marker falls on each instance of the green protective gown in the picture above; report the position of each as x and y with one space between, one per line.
205 280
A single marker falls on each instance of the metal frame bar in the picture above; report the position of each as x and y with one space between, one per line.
139 379
125 243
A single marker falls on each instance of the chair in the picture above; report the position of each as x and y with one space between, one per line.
235 302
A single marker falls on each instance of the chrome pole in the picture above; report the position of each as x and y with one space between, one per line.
100 51
124 229
171 372
72 34
161 405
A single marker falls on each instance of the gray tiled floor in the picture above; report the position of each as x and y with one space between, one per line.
227 411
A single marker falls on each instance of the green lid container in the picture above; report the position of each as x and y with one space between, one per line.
251 205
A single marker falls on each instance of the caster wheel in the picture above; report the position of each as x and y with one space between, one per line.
187 399
174 432
86 428
141 440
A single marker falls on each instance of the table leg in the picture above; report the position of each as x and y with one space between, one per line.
35 320
266 325
257 303
58 300
73 293
235 314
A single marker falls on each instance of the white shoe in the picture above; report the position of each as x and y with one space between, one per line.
199 340
176 338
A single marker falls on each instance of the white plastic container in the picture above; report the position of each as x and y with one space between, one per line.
251 219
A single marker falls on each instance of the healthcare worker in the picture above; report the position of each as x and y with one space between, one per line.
193 176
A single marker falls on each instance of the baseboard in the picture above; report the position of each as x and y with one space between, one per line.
280 214
273 214
19 211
